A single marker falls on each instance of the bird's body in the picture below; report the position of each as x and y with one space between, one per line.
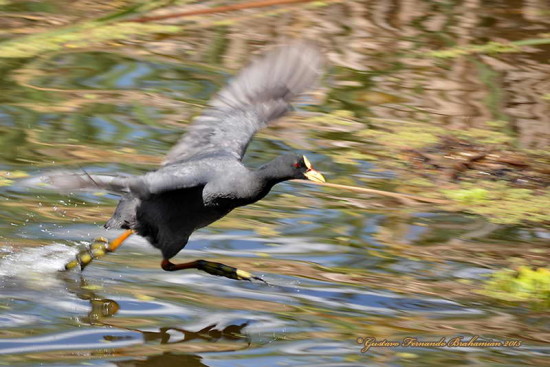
167 219
203 177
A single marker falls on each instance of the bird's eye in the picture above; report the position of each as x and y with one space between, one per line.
297 165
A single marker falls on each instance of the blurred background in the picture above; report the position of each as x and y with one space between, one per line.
444 100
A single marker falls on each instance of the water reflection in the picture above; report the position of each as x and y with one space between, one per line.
339 266
167 359
106 336
103 308
75 340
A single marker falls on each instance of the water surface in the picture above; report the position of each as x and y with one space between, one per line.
339 265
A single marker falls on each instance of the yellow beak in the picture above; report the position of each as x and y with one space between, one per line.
314 175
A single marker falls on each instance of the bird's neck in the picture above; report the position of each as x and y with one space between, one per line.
267 176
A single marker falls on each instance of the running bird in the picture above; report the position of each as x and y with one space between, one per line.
203 177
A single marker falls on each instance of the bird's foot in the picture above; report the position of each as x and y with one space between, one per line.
227 271
98 248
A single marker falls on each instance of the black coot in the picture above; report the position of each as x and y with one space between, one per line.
203 177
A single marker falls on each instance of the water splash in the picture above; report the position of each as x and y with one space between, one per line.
35 263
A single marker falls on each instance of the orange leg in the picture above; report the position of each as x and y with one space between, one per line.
97 249
114 244
210 267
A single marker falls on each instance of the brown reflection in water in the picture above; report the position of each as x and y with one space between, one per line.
166 359
372 36
369 37
103 308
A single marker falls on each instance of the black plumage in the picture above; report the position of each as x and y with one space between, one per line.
203 177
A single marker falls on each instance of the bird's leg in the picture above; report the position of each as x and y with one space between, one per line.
98 248
210 267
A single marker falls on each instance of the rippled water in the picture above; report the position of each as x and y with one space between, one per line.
339 265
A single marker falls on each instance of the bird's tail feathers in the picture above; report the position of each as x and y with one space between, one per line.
270 82
71 181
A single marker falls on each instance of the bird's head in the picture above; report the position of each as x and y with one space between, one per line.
293 166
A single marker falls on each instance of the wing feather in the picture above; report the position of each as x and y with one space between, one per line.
260 93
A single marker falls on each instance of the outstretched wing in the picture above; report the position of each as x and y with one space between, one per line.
260 93
154 182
